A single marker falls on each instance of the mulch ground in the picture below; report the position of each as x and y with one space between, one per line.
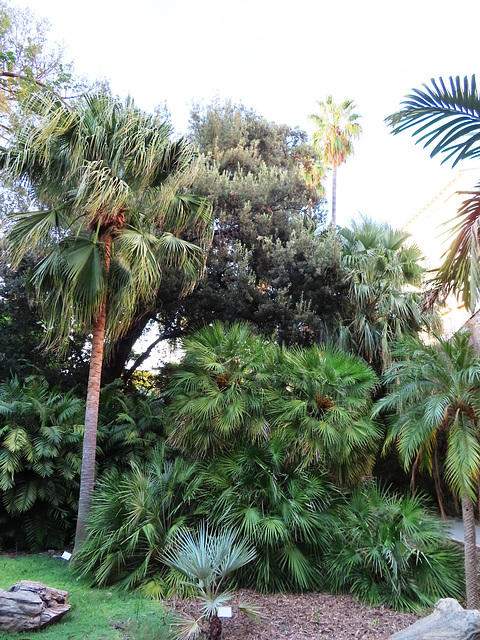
307 617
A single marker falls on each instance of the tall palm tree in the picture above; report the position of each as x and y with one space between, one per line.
111 186
449 118
385 301
337 126
435 392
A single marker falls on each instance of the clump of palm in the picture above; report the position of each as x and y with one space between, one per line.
131 424
40 458
435 397
389 550
318 402
206 559
133 516
385 298
281 509
217 393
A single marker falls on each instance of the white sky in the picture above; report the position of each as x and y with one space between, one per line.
278 57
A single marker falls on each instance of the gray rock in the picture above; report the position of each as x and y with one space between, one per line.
31 605
449 621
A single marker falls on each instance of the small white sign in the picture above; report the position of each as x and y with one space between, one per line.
224 612
66 555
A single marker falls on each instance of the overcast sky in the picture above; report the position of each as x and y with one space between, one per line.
280 57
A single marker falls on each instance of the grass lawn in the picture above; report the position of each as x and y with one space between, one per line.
96 614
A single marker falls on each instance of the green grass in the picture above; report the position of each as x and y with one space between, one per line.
96 614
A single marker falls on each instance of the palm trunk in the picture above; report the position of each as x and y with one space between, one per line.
471 577
87 477
334 197
215 628
87 474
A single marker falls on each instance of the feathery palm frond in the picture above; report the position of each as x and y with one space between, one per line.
447 116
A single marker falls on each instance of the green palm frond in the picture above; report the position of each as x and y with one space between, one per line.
446 115
460 271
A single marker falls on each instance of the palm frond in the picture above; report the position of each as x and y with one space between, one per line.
446 115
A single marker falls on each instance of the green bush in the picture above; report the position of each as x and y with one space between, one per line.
278 508
389 550
40 458
133 516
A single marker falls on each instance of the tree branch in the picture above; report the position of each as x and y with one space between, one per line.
166 335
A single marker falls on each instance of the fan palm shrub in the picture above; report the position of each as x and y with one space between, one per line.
206 559
318 403
216 396
281 510
388 549
131 424
40 458
384 290
133 516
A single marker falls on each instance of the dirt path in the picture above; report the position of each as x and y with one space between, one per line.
309 617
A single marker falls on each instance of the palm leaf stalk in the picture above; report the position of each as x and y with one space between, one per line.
111 186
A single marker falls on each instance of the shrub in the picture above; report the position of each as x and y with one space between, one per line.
281 510
133 516
388 549
40 458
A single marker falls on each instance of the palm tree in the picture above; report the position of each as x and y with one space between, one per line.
449 118
337 127
207 559
111 187
385 301
435 394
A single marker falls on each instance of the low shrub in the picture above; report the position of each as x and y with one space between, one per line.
389 550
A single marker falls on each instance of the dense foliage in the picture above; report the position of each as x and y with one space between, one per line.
388 549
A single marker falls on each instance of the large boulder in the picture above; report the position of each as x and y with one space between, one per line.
31 605
449 621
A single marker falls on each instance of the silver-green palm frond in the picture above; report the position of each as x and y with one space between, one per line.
447 116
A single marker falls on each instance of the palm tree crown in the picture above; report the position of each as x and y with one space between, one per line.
385 276
337 127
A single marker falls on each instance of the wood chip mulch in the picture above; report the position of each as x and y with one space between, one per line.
310 616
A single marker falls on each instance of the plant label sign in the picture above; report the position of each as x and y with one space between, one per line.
224 612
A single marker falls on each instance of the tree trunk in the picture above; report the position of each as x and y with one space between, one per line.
87 476
471 577
115 366
215 629
334 197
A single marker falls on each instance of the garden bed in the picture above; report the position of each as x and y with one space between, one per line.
308 617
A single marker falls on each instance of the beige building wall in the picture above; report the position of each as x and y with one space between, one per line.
429 229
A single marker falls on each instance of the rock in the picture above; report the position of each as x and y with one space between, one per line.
449 621
31 605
